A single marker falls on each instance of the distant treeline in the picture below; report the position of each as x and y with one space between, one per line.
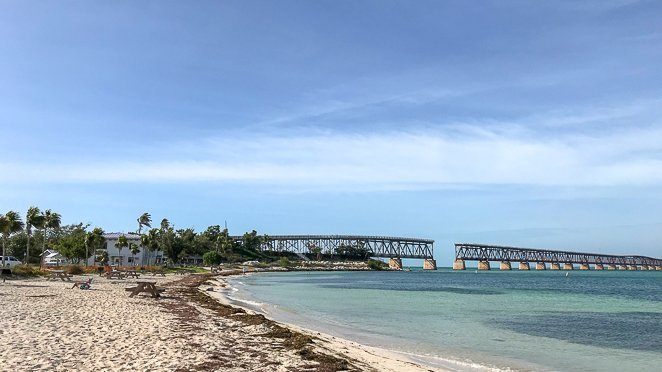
43 230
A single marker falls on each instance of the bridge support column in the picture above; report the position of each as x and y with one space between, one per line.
556 266
644 267
633 267
395 264
524 266
622 267
568 266
658 267
612 267
459 265
505 265
599 267
483 265
584 267
541 266
429 264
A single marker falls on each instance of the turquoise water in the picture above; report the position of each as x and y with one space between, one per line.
535 320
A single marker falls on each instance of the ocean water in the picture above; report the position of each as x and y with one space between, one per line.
467 320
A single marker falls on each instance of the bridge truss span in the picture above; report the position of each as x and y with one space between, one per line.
377 246
486 253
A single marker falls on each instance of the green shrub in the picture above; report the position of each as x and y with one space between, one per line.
26 270
284 262
211 258
74 270
376 265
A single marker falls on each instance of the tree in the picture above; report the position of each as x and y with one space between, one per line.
165 239
182 240
135 249
52 220
211 258
312 248
144 220
225 245
151 241
72 245
10 223
94 241
122 242
17 245
34 218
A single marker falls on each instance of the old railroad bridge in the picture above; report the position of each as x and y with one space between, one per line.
558 260
394 248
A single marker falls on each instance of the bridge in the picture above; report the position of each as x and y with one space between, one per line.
393 248
558 260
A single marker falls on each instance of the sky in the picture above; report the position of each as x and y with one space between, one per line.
497 122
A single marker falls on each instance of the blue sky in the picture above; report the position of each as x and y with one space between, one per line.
497 122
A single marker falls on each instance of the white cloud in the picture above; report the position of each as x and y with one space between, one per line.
386 161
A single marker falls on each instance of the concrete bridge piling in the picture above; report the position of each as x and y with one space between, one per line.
429 264
395 263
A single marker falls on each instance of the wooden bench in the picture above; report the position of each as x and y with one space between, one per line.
147 287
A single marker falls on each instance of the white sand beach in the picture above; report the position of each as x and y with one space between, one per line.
47 326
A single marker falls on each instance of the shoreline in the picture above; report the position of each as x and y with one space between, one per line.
385 359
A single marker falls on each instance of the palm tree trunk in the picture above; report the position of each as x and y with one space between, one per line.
27 250
3 252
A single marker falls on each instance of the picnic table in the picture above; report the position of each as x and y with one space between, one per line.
158 272
115 274
59 274
144 286
131 273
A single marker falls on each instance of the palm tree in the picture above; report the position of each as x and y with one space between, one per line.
34 218
93 240
151 241
144 220
135 249
122 242
9 223
52 220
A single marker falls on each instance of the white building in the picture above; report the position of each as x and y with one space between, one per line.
124 257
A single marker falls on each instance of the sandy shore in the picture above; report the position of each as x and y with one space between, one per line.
47 326
377 358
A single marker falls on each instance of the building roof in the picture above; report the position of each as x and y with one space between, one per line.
116 235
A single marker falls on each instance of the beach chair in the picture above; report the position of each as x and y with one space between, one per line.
83 285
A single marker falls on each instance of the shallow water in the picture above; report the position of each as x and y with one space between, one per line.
535 320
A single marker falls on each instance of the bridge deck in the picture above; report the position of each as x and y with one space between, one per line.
378 246
482 252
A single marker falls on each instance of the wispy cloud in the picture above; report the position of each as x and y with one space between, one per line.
395 160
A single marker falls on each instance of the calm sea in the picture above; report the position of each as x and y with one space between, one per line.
535 320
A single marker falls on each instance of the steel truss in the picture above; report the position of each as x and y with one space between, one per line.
379 246
481 252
